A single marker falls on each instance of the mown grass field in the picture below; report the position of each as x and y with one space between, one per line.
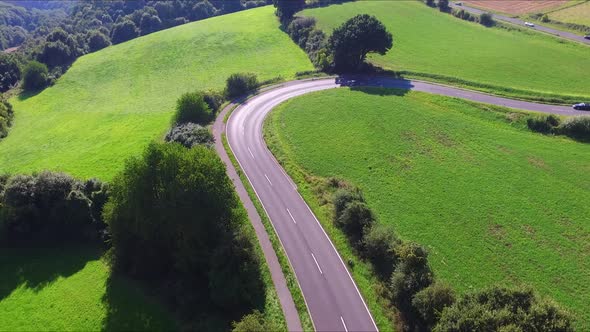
579 14
111 103
70 289
493 202
509 62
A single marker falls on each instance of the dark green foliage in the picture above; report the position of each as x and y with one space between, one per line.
9 72
253 322
49 208
287 8
412 274
430 302
231 6
190 134
175 223
343 197
56 53
240 84
430 3
35 76
202 10
149 23
464 15
124 31
379 245
486 19
300 28
355 219
97 40
214 99
191 107
6 114
303 32
543 124
577 127
352 41
443 5
502 309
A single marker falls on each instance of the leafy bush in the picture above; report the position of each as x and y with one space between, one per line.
50 208
543 124
34 76
431 301
214 99
486 19
191 107
356 218
412 274
498 309
344 196
443 5
10 72
379 245
97 40
176 223
314 41
6 114
124 31
577 127
190 134
240 84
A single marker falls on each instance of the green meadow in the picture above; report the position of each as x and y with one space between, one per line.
493 202
111 103
440 47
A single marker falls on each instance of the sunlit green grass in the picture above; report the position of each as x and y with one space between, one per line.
70 289
111 103
493 202
498 60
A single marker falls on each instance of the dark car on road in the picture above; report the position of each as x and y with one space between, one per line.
587 36
582 106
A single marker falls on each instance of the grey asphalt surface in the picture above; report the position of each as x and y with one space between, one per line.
555 32
332 297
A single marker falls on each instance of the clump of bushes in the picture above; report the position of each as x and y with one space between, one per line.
6 114
543 124
176 224
503 309
240 84
190 134
49 208
485 19
577 127
35 76
314 41
192 107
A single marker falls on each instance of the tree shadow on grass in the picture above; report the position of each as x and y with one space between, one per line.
376 85
36 268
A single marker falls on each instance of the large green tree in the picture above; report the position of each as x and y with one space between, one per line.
353 40
287 8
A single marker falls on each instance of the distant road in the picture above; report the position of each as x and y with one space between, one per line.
331 295
555 32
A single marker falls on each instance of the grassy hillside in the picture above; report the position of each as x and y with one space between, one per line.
111 103
492 59
579 14
70 289
493 202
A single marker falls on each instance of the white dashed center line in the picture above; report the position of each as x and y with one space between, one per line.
316 263
343 324
267 179
290 215
251 153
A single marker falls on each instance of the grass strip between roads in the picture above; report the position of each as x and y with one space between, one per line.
278 248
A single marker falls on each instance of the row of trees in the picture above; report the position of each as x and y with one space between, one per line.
425 304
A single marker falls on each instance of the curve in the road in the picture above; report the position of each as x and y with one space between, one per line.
516 21
333 299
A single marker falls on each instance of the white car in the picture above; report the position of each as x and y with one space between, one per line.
529 24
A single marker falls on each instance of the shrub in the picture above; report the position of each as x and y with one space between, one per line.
34 76
497 309
443 5
6 114
356 218
214 99
190 134
379 244
97 41
431 301
191 107
344 196
124 31
543 124
240 84
577 127
176 223
49 208
430 3
545 18
10 72
486 19
411 275
300 28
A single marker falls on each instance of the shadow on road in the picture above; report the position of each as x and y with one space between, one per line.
376 85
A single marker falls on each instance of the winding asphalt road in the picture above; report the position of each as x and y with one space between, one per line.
555 32
333 299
